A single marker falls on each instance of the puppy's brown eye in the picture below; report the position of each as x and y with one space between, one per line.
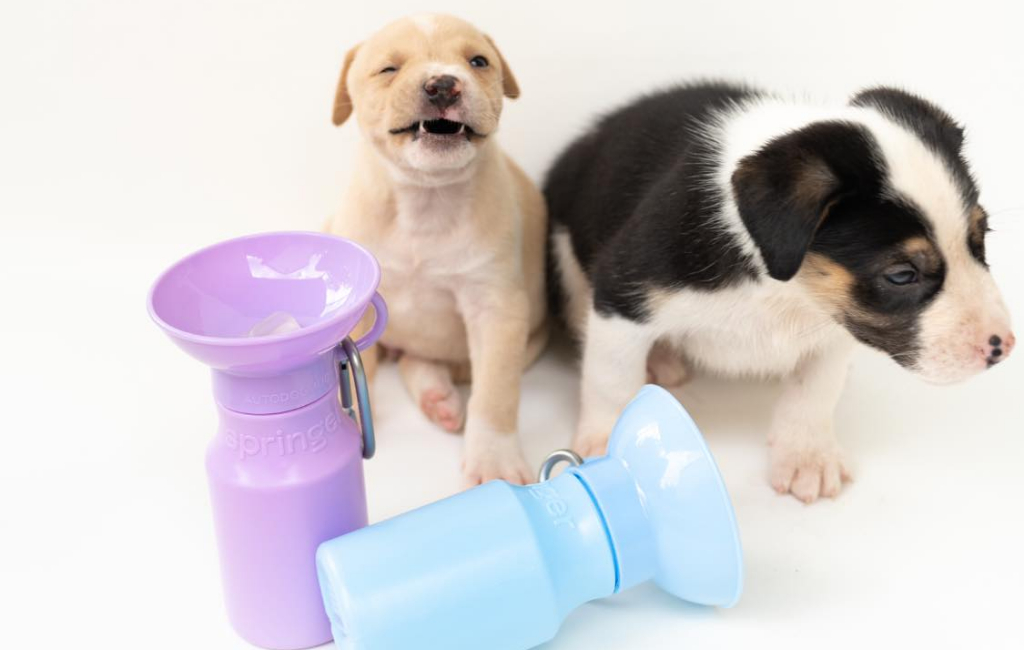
479 62
901 274
388 70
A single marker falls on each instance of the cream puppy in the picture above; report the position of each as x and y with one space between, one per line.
458 228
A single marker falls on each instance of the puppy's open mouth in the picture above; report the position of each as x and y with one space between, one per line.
440 127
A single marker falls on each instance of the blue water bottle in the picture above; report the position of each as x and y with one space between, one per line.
500 566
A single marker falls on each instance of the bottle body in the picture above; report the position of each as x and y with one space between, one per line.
280 484
494 567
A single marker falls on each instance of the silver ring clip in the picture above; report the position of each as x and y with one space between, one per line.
358 375
556 457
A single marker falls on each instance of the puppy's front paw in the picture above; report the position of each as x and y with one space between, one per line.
491 456
808 469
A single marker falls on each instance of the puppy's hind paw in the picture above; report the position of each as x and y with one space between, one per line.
444 408
809 472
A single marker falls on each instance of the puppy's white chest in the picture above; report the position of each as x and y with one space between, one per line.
419 258
423 266
752 330
416 275
431 236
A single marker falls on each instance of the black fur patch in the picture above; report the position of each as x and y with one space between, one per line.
865 234
821 189
784 190
935 127
635 198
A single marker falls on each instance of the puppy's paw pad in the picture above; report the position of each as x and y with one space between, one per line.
809 473
498 459
444 408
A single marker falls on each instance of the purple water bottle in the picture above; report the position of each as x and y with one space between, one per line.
271 315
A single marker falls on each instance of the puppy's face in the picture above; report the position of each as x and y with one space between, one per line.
879 218
427 92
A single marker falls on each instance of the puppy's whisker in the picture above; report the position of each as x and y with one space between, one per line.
1007 210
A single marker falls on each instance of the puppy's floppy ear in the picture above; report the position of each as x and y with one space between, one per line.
342 99
928 121
508 81
785 190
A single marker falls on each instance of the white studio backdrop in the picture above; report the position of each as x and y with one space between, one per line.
132 133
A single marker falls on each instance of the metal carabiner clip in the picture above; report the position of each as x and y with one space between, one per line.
364 415
556 457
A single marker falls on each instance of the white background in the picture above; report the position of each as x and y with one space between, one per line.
134 132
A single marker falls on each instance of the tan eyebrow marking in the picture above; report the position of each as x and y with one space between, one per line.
920 247
829 281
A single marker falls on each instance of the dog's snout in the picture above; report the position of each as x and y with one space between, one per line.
443 90
999 347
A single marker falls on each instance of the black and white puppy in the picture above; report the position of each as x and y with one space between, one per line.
729 229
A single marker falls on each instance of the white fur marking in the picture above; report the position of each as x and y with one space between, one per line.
426 23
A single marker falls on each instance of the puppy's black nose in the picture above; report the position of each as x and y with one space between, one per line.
999 348
443 91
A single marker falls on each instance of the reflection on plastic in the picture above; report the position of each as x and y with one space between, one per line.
279 322
337 293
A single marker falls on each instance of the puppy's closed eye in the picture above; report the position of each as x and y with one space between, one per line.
901 274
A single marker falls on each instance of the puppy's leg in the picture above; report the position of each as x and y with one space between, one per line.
615 353
497 326
806 459
665 366
430 384
462 372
